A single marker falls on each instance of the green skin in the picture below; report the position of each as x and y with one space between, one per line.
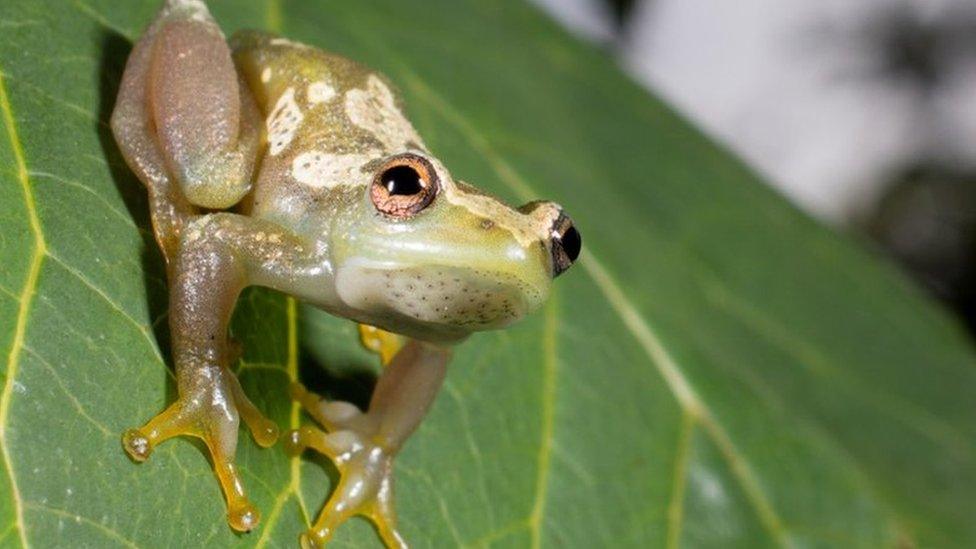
195 118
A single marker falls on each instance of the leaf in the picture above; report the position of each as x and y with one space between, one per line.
719 370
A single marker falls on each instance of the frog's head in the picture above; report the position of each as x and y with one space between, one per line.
434 258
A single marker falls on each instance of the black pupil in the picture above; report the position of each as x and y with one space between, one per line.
572 242
403 180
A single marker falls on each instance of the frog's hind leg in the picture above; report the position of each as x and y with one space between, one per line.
133 128
207 121
183 120
364 445
365 485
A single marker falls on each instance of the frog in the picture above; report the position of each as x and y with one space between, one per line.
273 163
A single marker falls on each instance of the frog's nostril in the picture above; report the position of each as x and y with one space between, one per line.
566 244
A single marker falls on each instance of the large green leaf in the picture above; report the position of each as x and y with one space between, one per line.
718 371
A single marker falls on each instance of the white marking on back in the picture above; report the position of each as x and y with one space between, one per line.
287 42
320 92
319 169
374 110
266 75
283 122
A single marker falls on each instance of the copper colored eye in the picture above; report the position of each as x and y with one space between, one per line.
405 185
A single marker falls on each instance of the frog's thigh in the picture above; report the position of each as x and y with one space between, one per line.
207 123
131 127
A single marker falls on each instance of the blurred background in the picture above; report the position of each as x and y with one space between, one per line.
862 112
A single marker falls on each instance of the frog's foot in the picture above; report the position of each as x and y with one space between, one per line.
365 468
334 416
211 413
383 343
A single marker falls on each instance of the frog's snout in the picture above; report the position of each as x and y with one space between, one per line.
565 243
556 230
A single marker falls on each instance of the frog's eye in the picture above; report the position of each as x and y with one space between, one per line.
566 244
405 185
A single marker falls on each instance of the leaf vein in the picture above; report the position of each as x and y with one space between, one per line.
897 408
43 94
100 19
550 365
72 183
680 482
9 293
490 537
140 327
441 502
64 389
572 465
26 299
79 518
294 483
476 454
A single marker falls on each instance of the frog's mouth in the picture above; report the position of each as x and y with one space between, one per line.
437 295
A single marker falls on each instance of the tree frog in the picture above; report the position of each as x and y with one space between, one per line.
272 163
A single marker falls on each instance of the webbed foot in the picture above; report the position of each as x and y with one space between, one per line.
365 467
211 411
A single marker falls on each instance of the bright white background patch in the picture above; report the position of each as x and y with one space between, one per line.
325 170
284 121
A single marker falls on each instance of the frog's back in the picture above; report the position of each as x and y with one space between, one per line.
327 117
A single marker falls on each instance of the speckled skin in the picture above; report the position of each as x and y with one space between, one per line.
266 164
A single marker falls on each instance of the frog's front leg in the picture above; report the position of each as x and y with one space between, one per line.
363 445
218 255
